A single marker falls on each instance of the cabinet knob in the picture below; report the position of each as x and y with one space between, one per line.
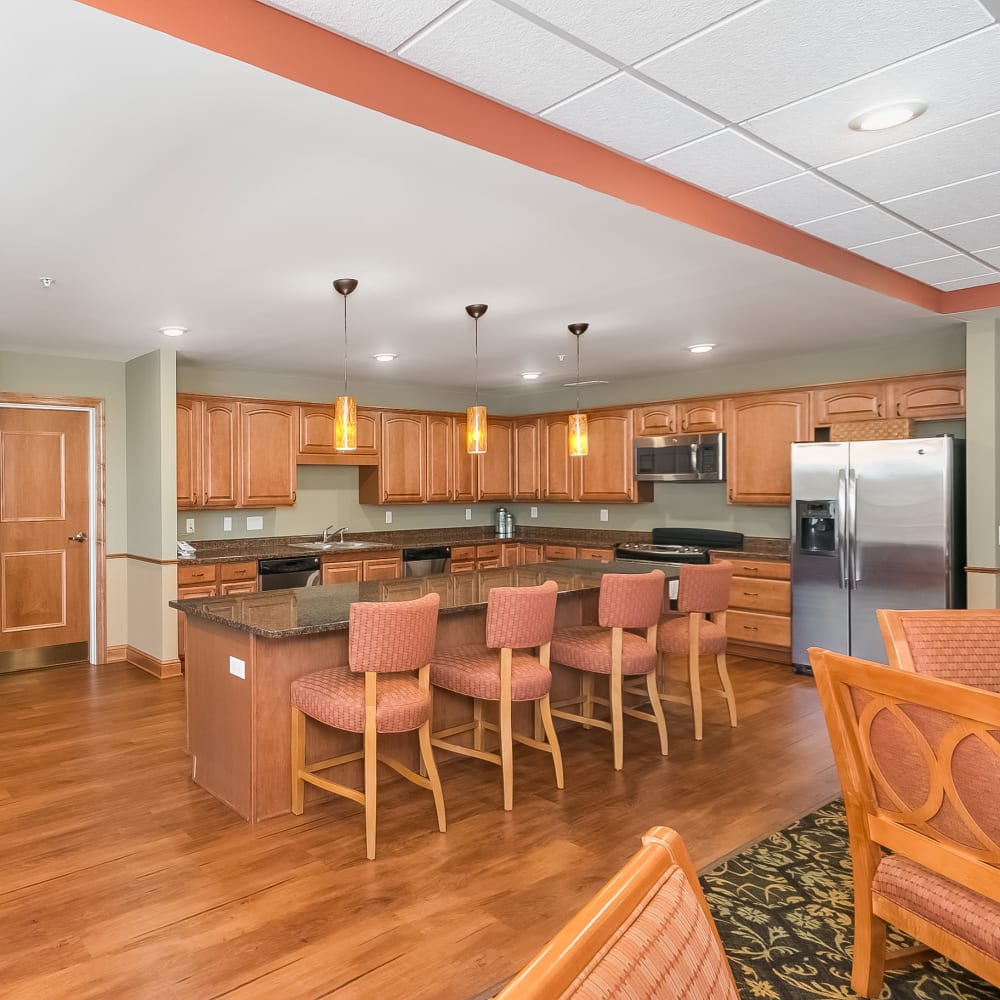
880 410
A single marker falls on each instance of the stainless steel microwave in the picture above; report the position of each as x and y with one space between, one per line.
681 458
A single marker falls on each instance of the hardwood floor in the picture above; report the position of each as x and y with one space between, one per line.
121 878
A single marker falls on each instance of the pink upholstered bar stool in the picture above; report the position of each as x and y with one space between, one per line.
375 693
627 601
519 620
702 597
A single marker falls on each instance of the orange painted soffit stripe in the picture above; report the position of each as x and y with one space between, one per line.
297 50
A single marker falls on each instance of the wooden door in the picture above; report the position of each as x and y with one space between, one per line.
761 431
559 473
464 476
701 416
606 471
865 401
527 459
267 454
44 545
219 481
496 467
656 419
440 427
403 455
190 414
928 397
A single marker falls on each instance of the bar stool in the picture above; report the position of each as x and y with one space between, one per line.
702 598
517 619
391 640
627 601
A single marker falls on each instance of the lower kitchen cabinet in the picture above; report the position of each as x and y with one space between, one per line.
758 621
358 570
212 580
555 552
596 554
347 571
383 568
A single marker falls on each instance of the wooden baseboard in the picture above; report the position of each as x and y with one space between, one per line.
116 654
158 668
773 654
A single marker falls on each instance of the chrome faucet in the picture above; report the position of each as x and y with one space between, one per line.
329 528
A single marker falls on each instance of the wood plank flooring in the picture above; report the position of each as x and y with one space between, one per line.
121 878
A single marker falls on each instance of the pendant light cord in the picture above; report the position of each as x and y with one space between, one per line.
578 374
345 345
477 360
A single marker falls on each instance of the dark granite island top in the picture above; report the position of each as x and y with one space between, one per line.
283 614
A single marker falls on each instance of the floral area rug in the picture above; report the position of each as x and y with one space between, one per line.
785 912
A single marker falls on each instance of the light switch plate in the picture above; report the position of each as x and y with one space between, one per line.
534 512
388 517
238 667
255 524
604 514
227 524
189 525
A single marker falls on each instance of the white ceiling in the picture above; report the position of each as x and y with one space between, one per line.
160 183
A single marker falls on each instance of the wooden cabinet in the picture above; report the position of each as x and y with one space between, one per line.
212 580
383 568
315 437
354 570
701 416
343 571
861 401
555 552
595 554
439 486
464 474
606 471
510 554
527 459
207 452
400 475
559 472
656 419
927 397
530 553
496 467
463 558
761 430
267 454
758 622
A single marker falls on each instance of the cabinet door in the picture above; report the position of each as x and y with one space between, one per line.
700 416
656 419
865 401
402 461
349 571
596 555
559 472
606 471
385 568
927 397
315 441
527 459
228 587
496 467
440 428
530 553
510 554
761 431
464 475
220 437
189 423
267 454
184 594
553 552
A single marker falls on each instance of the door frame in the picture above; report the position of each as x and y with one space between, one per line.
97 644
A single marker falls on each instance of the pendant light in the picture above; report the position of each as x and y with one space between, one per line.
475 416
578 443
345 409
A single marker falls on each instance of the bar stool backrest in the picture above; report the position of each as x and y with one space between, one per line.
387 638
704 589
631 600
521 617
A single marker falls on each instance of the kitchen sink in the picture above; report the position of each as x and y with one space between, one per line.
339 546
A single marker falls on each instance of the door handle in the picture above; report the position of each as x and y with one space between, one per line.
80 536
852 489
840 525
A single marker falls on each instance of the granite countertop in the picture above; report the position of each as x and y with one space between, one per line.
284 614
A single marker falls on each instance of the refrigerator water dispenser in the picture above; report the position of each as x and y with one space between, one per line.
817 527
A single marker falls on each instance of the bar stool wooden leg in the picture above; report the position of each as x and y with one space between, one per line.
657 707
298 759
694 676
506 737
477 717
550 734
430 766
727 687
587 693
371 764
615 684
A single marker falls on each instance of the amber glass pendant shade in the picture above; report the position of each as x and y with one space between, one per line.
578 443
475 430
345 424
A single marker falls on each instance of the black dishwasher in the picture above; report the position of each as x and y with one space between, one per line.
427 560
295 571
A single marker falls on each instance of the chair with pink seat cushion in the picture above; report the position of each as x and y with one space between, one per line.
703 598
512 667
919 764
377 692
627 601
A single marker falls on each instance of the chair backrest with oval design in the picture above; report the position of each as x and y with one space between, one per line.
386 638
631 600
521 617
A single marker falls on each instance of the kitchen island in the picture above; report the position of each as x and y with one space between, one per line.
244 651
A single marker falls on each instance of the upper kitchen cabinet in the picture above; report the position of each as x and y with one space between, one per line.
400 476
496 467
439 484
527 458
207 452
701 416
465 468
315 440
656 419
927 397
559 475
859 401
606 472
268 434
761 429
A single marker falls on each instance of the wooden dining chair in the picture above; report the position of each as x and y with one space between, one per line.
648 934
627 601
512 667
919 765
376 692
956 645
702 599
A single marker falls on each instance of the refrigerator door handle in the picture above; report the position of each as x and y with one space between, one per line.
852 499
841 540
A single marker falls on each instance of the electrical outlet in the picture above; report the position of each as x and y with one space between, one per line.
534 512
468 513
189 525
238 667
604 514
227 524
255 524
388 517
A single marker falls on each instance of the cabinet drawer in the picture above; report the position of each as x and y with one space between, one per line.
598 555
198 574
239 571
768 630
238 587
462 553
560 552
465 566
202 590
488 563
491 551
759 570
761 595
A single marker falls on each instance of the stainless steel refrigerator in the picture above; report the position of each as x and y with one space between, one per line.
875 524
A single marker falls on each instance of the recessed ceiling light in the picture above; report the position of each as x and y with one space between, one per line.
887 116
173 331
701 348
530 376
47 282
385 357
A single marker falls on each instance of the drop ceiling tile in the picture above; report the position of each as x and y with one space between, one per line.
632 29
991 256
737 70
382 24
983 234
631 116
863 225
945 269
487 48
948 206
984 279
903 250
799 199
725 162
958 82
955 154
